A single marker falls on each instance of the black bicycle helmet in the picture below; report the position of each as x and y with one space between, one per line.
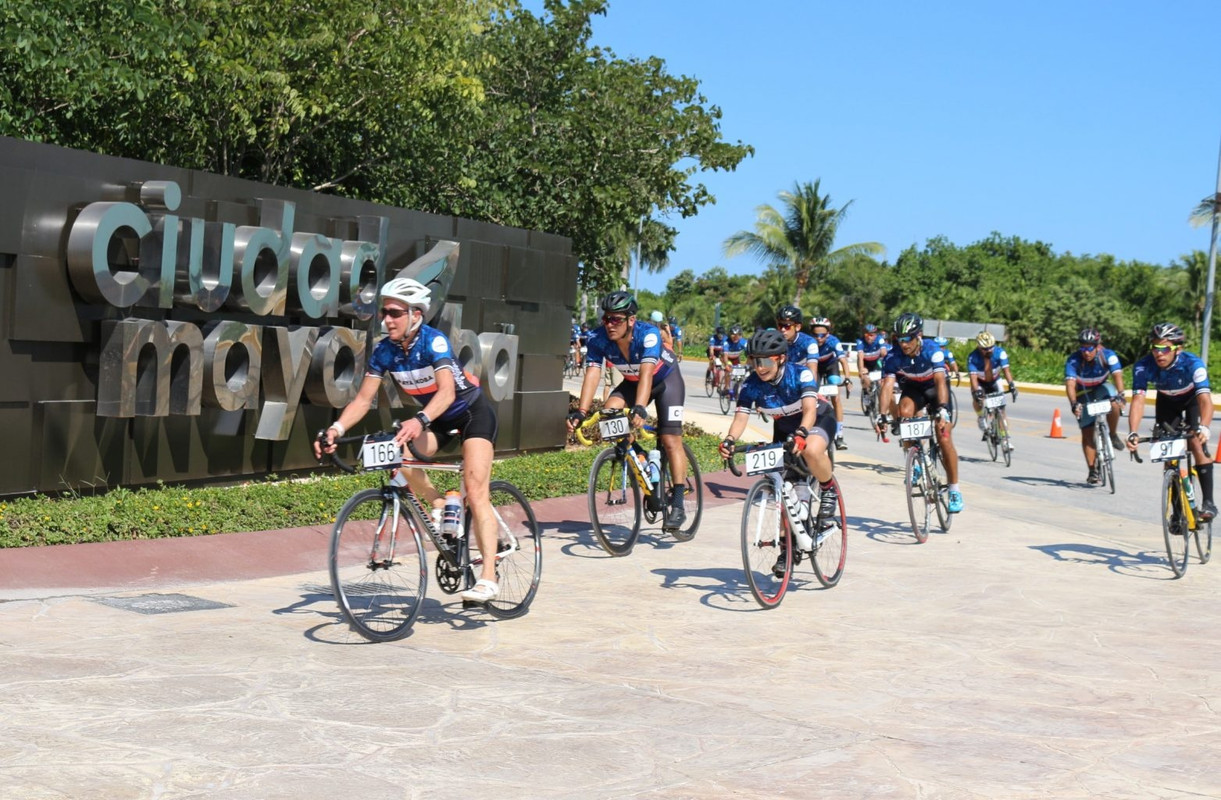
736 330
619 302
1089 336
789 314
720 330
769 342
908 323
673 320
1168 332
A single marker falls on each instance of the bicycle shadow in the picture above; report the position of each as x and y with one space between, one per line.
1145 564
1033 480
722 491
319 601
725 588
877 468
884 531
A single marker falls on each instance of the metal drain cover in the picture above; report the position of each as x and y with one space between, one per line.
161 603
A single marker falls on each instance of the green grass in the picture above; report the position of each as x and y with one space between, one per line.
164 511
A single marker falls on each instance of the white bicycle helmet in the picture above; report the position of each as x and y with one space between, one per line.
411 292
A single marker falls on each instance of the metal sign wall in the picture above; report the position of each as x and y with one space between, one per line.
160 324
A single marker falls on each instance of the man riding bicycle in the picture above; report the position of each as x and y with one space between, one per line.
984 367
421 361
833 369
1183 393
803 348
788 394
650 374
1085 381
871 349
716 345
918 368
951 362
676 332
731 354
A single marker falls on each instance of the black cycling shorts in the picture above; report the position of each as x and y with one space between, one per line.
478 421
668 395
823 427
1169 409
925 397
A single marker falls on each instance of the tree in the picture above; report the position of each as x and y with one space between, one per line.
800 237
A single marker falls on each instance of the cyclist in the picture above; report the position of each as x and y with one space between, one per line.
731 354
918 368
666 339
871 348
421 361
1085 381
833 369
984 366
650 374
803 348
716 345
1183 393
788 394
676 332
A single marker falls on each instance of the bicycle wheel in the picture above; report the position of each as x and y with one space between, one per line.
725 401
764 544
992 436
919 506
831 545
953 407
614 503
1174 522
709 378
519 558
1104 457
937 487
1006 450
866 397
1204 530
378 572
694 491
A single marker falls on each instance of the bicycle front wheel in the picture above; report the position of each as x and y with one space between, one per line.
1104 457
1204 530
766 556
1174 522
614 503
725 401
1003 428
831 544
709 378
693 495
919 505
993 436
953 407
519 556
938 487
378 572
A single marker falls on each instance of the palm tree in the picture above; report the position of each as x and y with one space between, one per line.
651 239
799 239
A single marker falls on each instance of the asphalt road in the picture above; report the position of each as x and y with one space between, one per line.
1043 468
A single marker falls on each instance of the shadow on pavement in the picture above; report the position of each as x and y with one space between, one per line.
1146 564
881 530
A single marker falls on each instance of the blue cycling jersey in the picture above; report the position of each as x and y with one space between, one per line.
979 361
779 399
415 370
803 349
1186 375
1091 374
949 356
830 349
918 369
872 352
676 332
735 347
645 348
716 342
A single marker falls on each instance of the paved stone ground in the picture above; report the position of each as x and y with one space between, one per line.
1031 652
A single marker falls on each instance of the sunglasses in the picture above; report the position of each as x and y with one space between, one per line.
820 336
395 313
905 339
1162 348
1086 348
614 319
759 362
784 326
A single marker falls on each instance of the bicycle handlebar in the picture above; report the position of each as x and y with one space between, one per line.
742 448
1180 428
335 460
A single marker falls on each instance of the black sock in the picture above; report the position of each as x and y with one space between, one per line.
1206 481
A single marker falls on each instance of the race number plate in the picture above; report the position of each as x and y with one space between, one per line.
738 372
380 453
828 390
613 428
765 459
1098 407
875 374
994 401
918 428
1167 449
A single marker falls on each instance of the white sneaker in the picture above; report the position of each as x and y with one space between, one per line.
983 424
481 592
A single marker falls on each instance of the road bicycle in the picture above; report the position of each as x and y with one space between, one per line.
781 523
574 364
996 429
1104 458
713 377
1181 495
628 483
378 562
871 403
923 476
587 433
737 374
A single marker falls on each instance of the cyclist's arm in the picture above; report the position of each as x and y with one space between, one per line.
1117 377
809 411
436 406
1136 411
353 412
644 386
589 385
1205 399
885 398
1070 390
943 387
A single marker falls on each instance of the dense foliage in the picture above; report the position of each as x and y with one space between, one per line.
476 108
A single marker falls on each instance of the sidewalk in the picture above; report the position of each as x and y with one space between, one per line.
1034 651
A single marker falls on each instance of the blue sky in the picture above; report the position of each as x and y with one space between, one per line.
1092 126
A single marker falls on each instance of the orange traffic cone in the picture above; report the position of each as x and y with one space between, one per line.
1057 430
